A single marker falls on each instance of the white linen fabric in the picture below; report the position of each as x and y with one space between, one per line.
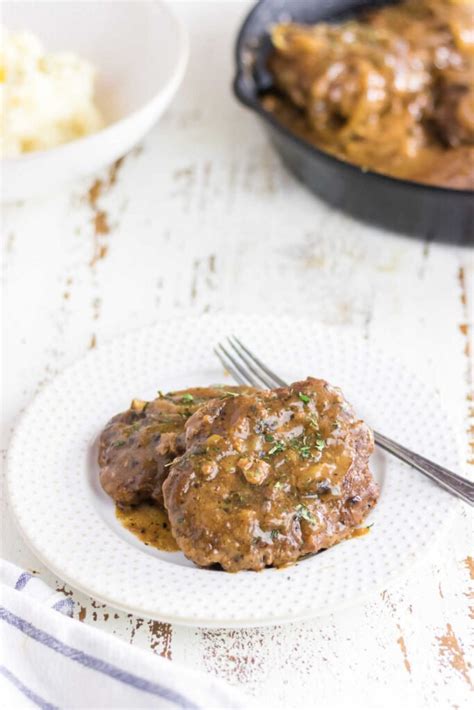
50 660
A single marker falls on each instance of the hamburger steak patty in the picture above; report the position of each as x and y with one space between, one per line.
137 446
270 476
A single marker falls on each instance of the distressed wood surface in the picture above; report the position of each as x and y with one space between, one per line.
202 217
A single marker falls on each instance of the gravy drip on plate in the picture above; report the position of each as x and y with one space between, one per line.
150 523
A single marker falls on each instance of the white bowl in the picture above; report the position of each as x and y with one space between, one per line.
140 51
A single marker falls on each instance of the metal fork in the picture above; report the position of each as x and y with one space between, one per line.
247 369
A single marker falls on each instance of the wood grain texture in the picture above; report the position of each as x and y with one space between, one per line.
203 217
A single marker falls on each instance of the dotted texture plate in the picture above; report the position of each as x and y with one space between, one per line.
69 522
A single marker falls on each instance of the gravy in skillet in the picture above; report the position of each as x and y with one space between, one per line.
390 91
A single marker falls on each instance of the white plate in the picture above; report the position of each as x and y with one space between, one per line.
69 522
140 51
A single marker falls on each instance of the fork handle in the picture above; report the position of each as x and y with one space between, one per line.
454 483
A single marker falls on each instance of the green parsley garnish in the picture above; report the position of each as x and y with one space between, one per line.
320 443
303 512
302 446
269 438
135 427
277 448
274 534
304 397
187 397
122 442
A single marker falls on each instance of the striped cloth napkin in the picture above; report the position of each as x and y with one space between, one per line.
50 660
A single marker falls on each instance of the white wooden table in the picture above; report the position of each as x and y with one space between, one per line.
203 217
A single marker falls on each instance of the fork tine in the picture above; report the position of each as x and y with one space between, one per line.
235 374
242 356
234 367
275 380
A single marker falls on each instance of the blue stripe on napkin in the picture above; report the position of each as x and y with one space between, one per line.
34 697
95 663
22 580
65 606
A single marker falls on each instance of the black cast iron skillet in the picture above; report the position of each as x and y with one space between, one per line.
413 209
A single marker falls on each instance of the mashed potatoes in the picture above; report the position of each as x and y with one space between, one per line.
45 99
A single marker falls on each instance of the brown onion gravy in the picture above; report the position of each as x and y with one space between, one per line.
391 90
149 522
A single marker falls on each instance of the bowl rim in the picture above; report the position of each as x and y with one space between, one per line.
313 151
169 87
